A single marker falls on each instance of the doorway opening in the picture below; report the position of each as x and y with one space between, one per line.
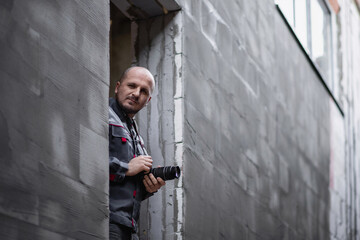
150 36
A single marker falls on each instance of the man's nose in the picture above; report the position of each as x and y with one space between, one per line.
136 92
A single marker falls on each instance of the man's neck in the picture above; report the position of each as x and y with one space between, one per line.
131 116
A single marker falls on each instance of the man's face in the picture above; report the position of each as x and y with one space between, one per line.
134 91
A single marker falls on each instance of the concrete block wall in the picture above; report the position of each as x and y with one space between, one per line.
261 133
54 81
265 151
345 188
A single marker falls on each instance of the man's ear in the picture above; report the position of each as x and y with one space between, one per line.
116 87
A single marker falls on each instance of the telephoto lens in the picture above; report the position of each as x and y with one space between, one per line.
166 173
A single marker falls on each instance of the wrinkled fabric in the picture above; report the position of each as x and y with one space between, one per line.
119 232
125 193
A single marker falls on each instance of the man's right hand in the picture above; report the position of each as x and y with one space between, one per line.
139 164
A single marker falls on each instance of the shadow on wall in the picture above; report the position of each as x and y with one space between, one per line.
120 45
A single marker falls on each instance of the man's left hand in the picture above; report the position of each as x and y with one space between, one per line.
152 184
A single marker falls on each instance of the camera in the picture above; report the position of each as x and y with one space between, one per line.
166 173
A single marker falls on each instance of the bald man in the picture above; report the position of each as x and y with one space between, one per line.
128 157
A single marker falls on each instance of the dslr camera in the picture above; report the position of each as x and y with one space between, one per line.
166 173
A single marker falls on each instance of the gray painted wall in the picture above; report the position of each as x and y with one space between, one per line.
261 131
54 81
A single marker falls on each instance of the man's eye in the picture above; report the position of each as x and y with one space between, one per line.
145 91
131 85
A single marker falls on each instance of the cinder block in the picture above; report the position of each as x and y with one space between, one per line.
284 177
93 168
209 19
224 41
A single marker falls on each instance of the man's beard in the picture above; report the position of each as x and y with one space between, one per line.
127 110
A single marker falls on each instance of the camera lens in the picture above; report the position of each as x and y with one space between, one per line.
166 173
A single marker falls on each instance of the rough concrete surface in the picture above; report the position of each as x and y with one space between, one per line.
54 73
268 149
261 130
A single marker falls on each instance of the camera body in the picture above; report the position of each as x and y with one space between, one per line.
167 172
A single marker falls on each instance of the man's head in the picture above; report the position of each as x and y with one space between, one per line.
133 91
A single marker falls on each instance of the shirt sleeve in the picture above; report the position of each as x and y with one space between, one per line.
117 169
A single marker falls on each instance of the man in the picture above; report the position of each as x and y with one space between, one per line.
128 158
